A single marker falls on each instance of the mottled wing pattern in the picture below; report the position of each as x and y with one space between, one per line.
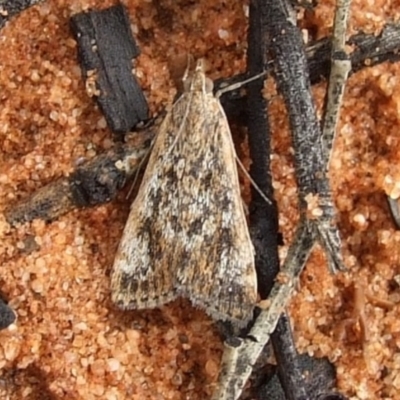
187 233
215 261
143 275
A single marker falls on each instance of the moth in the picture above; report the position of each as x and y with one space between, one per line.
186 233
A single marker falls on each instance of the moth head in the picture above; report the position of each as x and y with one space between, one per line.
196 80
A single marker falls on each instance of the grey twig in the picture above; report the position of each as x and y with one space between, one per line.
317 224
315 201
340 68
263 216
240 355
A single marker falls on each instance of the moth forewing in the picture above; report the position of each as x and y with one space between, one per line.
187 233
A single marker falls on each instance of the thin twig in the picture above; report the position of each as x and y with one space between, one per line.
340 68
369 50
311 172
238 358
315 200
264 225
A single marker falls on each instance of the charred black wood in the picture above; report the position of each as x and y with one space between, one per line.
369 50
289 369
320 381
10 8
263 216
95 182
7 315
106 48
264 225
285 46
293 81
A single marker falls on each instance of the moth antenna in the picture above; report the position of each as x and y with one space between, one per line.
238 85
260 192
